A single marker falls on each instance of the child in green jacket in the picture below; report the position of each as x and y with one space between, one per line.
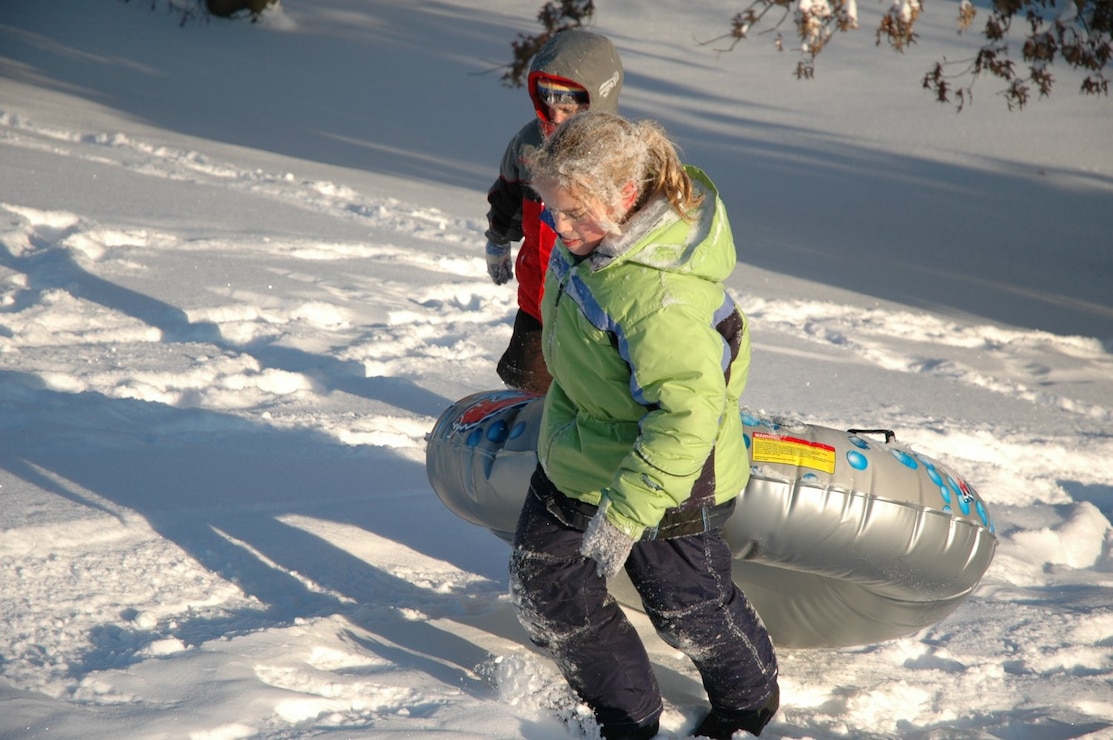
641 449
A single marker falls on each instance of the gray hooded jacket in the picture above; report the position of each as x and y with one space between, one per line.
582 57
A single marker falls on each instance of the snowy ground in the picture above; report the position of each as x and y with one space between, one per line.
241 275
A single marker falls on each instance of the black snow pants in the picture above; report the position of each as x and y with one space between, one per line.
686 588
522 366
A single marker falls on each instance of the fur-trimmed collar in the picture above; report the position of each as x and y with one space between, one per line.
656 212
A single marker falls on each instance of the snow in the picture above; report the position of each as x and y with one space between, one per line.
242 273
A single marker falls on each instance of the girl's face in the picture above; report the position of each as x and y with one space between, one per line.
576 219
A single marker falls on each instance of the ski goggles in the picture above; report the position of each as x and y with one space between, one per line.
554 93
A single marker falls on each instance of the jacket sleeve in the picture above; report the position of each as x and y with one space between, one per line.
683 386
504 217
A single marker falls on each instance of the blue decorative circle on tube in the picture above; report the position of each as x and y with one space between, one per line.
907 460
498 432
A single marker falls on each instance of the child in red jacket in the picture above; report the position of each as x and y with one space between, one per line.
575 71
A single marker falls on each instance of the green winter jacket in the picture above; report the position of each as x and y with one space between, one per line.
649 355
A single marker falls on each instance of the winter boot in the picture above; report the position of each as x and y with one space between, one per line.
721 724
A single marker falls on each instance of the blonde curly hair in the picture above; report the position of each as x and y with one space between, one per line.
596 154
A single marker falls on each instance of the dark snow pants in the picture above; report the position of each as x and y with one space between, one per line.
522 366
686 588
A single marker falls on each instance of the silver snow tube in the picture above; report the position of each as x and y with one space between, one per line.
838 539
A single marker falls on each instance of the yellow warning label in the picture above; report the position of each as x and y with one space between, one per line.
769 448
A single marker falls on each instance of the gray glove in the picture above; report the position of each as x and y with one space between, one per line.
498 262
606 544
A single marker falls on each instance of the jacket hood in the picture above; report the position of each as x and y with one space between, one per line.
581 57
656 236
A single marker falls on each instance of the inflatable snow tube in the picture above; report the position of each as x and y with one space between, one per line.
840 538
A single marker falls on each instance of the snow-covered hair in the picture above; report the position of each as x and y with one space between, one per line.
596 154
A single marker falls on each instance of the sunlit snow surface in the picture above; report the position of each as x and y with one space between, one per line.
241 274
